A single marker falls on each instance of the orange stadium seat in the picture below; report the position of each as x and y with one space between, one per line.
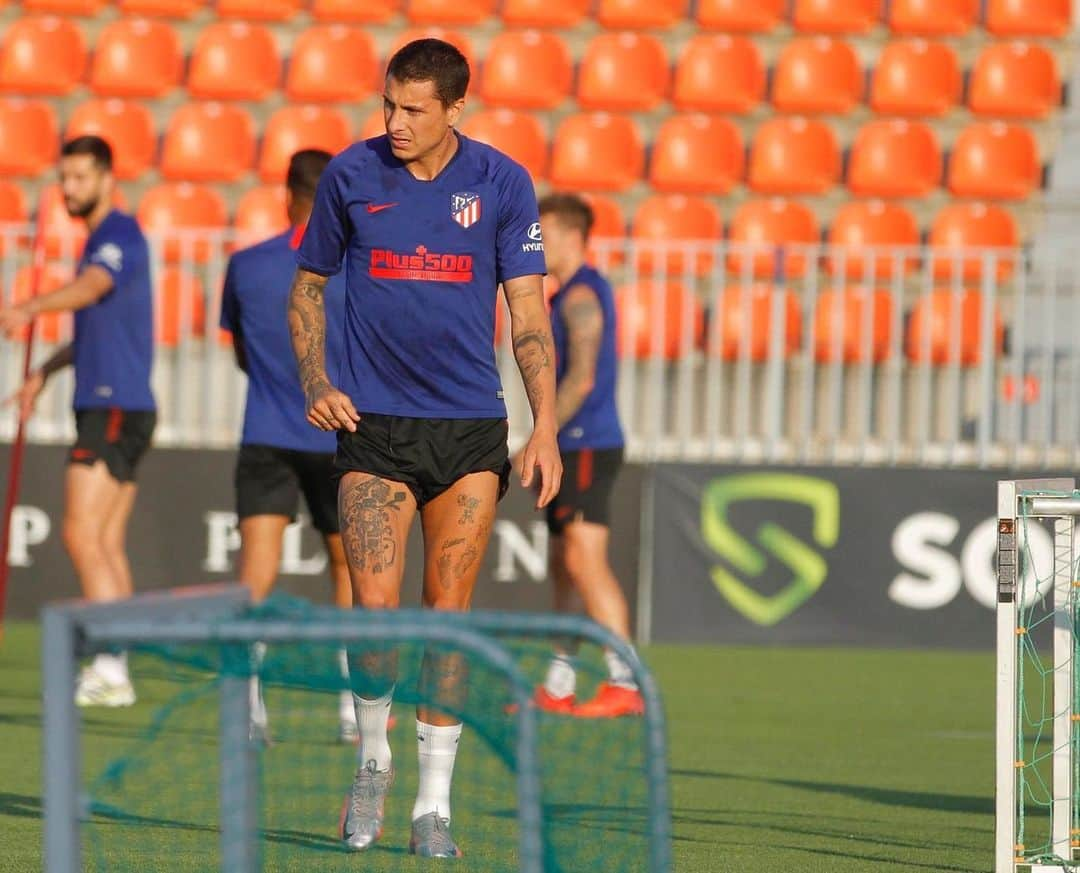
28 137
355 11
454 37
841 324
528 69
794 156
234 60
42 55
1014 80
544 13
697 154
455 12
758 227
169 210
12 203
208 142
932 17
293 128
876 225
162 8
260 214
1051 18
994 160
136 57
64 235
127 125
915 77
65 7
894 158
597 152
836 16
719 73
674 219
52 327
262 10
333 63
179 291
657 319
932 329
518 134
817 74
623 72
741 17
608 231
639 14
960 234
743 323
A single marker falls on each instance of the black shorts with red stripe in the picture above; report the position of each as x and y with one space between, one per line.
588 479
119 437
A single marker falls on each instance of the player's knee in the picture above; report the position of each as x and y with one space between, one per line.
373 598
80 535
453 600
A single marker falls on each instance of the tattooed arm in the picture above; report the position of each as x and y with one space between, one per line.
585 328
534 350
327 408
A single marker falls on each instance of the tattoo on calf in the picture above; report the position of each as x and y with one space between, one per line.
366 514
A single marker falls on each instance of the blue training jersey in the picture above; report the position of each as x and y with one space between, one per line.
596 424
114 337
423 261
254 306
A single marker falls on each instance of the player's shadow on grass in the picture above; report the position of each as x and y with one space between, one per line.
22 720
20 805
982 805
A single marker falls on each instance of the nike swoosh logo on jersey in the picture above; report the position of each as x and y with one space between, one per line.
378 207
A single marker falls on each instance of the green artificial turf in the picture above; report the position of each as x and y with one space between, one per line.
808 760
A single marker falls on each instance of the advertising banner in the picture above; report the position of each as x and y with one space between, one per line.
890 557
183 532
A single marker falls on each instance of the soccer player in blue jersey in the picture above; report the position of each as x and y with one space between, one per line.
429 224
281 455
112 354
591 442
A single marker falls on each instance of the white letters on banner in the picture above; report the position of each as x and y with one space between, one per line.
30 526
513 548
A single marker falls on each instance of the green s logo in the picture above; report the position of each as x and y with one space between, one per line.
808 568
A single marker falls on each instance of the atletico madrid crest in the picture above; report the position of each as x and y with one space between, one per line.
465 208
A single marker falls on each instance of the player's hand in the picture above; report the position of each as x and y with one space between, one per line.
13 319
27 395
330 409
542 451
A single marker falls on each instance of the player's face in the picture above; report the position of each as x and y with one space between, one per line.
83 183
560 242
416 120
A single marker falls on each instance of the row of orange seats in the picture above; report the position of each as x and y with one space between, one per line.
533 70
925 17
216 142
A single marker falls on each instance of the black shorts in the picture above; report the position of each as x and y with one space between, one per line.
269 481
119 437
588 478
427 455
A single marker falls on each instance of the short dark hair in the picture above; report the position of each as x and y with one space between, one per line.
432 60
305 168
91 145
571 210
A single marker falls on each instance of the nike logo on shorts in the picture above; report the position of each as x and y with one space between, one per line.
378 207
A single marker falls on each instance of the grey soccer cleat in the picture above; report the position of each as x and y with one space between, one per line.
364 810
431 838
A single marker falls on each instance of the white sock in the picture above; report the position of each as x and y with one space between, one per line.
346 710
112 667
372 716
343 664
561 679
620 674
255 701
437 747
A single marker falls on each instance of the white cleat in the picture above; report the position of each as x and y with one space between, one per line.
94 689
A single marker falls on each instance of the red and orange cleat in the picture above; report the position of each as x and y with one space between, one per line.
547 703
612 701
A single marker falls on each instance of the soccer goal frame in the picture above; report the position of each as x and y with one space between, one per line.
1057 501
219 614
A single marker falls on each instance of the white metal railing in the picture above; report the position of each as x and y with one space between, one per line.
727 351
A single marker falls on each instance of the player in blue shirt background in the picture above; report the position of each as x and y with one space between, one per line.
429 224
281 455
591 441
112 353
